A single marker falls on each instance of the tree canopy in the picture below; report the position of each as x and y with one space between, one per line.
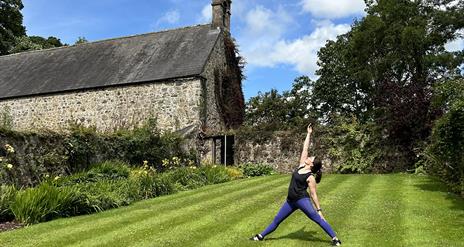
377 86
385 68
11 24
27 43
13 38
275 111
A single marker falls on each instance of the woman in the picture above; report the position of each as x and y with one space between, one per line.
306 175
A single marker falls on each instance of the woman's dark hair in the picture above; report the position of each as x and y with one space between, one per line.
317 169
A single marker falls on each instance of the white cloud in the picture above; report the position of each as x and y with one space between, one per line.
264 45
333 9
302 52
171 17
206 14
261 21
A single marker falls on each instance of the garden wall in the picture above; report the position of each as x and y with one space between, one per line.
34 156
28 158
280 149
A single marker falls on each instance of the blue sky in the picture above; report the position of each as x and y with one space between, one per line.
278 38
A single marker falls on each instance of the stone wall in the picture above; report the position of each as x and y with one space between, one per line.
175 103
280 150
34 154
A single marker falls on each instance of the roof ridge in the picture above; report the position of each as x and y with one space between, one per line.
103 40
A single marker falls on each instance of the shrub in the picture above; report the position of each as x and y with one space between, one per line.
254 170
153 184
44 203
186 178
83 145
109 170
8 169
7 196
163 185
106 185
44 154
445 153
145 143
105 194
234 172
192 177
112 169
214 174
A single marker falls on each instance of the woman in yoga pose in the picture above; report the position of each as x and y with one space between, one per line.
306 175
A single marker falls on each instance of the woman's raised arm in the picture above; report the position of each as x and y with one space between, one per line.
304 153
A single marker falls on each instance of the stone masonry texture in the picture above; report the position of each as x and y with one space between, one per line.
175 104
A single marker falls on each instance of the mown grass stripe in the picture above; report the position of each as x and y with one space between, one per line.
57 235
341 207
182 233
146 226
429 216
233 229
380 211
432 216
141 205
297 229
338 207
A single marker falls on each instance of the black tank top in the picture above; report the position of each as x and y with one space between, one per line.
298 186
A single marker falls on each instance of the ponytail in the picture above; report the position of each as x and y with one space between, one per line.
318 176
317 169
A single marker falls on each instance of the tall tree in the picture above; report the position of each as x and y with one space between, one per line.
11 24
384 69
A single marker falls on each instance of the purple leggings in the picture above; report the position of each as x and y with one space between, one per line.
305 205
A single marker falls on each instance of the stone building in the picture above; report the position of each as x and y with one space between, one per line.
189 79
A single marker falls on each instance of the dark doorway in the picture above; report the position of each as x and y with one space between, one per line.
227 150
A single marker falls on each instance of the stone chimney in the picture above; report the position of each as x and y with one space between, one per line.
221 14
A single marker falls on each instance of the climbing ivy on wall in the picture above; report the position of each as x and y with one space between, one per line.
228 86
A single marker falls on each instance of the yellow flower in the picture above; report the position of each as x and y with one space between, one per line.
145 162
9 148
57 177
47 176
9 166
214 166
1 159
145 172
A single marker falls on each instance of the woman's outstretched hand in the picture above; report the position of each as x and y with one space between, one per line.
310 129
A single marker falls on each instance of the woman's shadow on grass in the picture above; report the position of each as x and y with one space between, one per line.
301 235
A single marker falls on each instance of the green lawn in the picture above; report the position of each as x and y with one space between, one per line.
365 210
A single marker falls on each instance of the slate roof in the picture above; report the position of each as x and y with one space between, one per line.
141 58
